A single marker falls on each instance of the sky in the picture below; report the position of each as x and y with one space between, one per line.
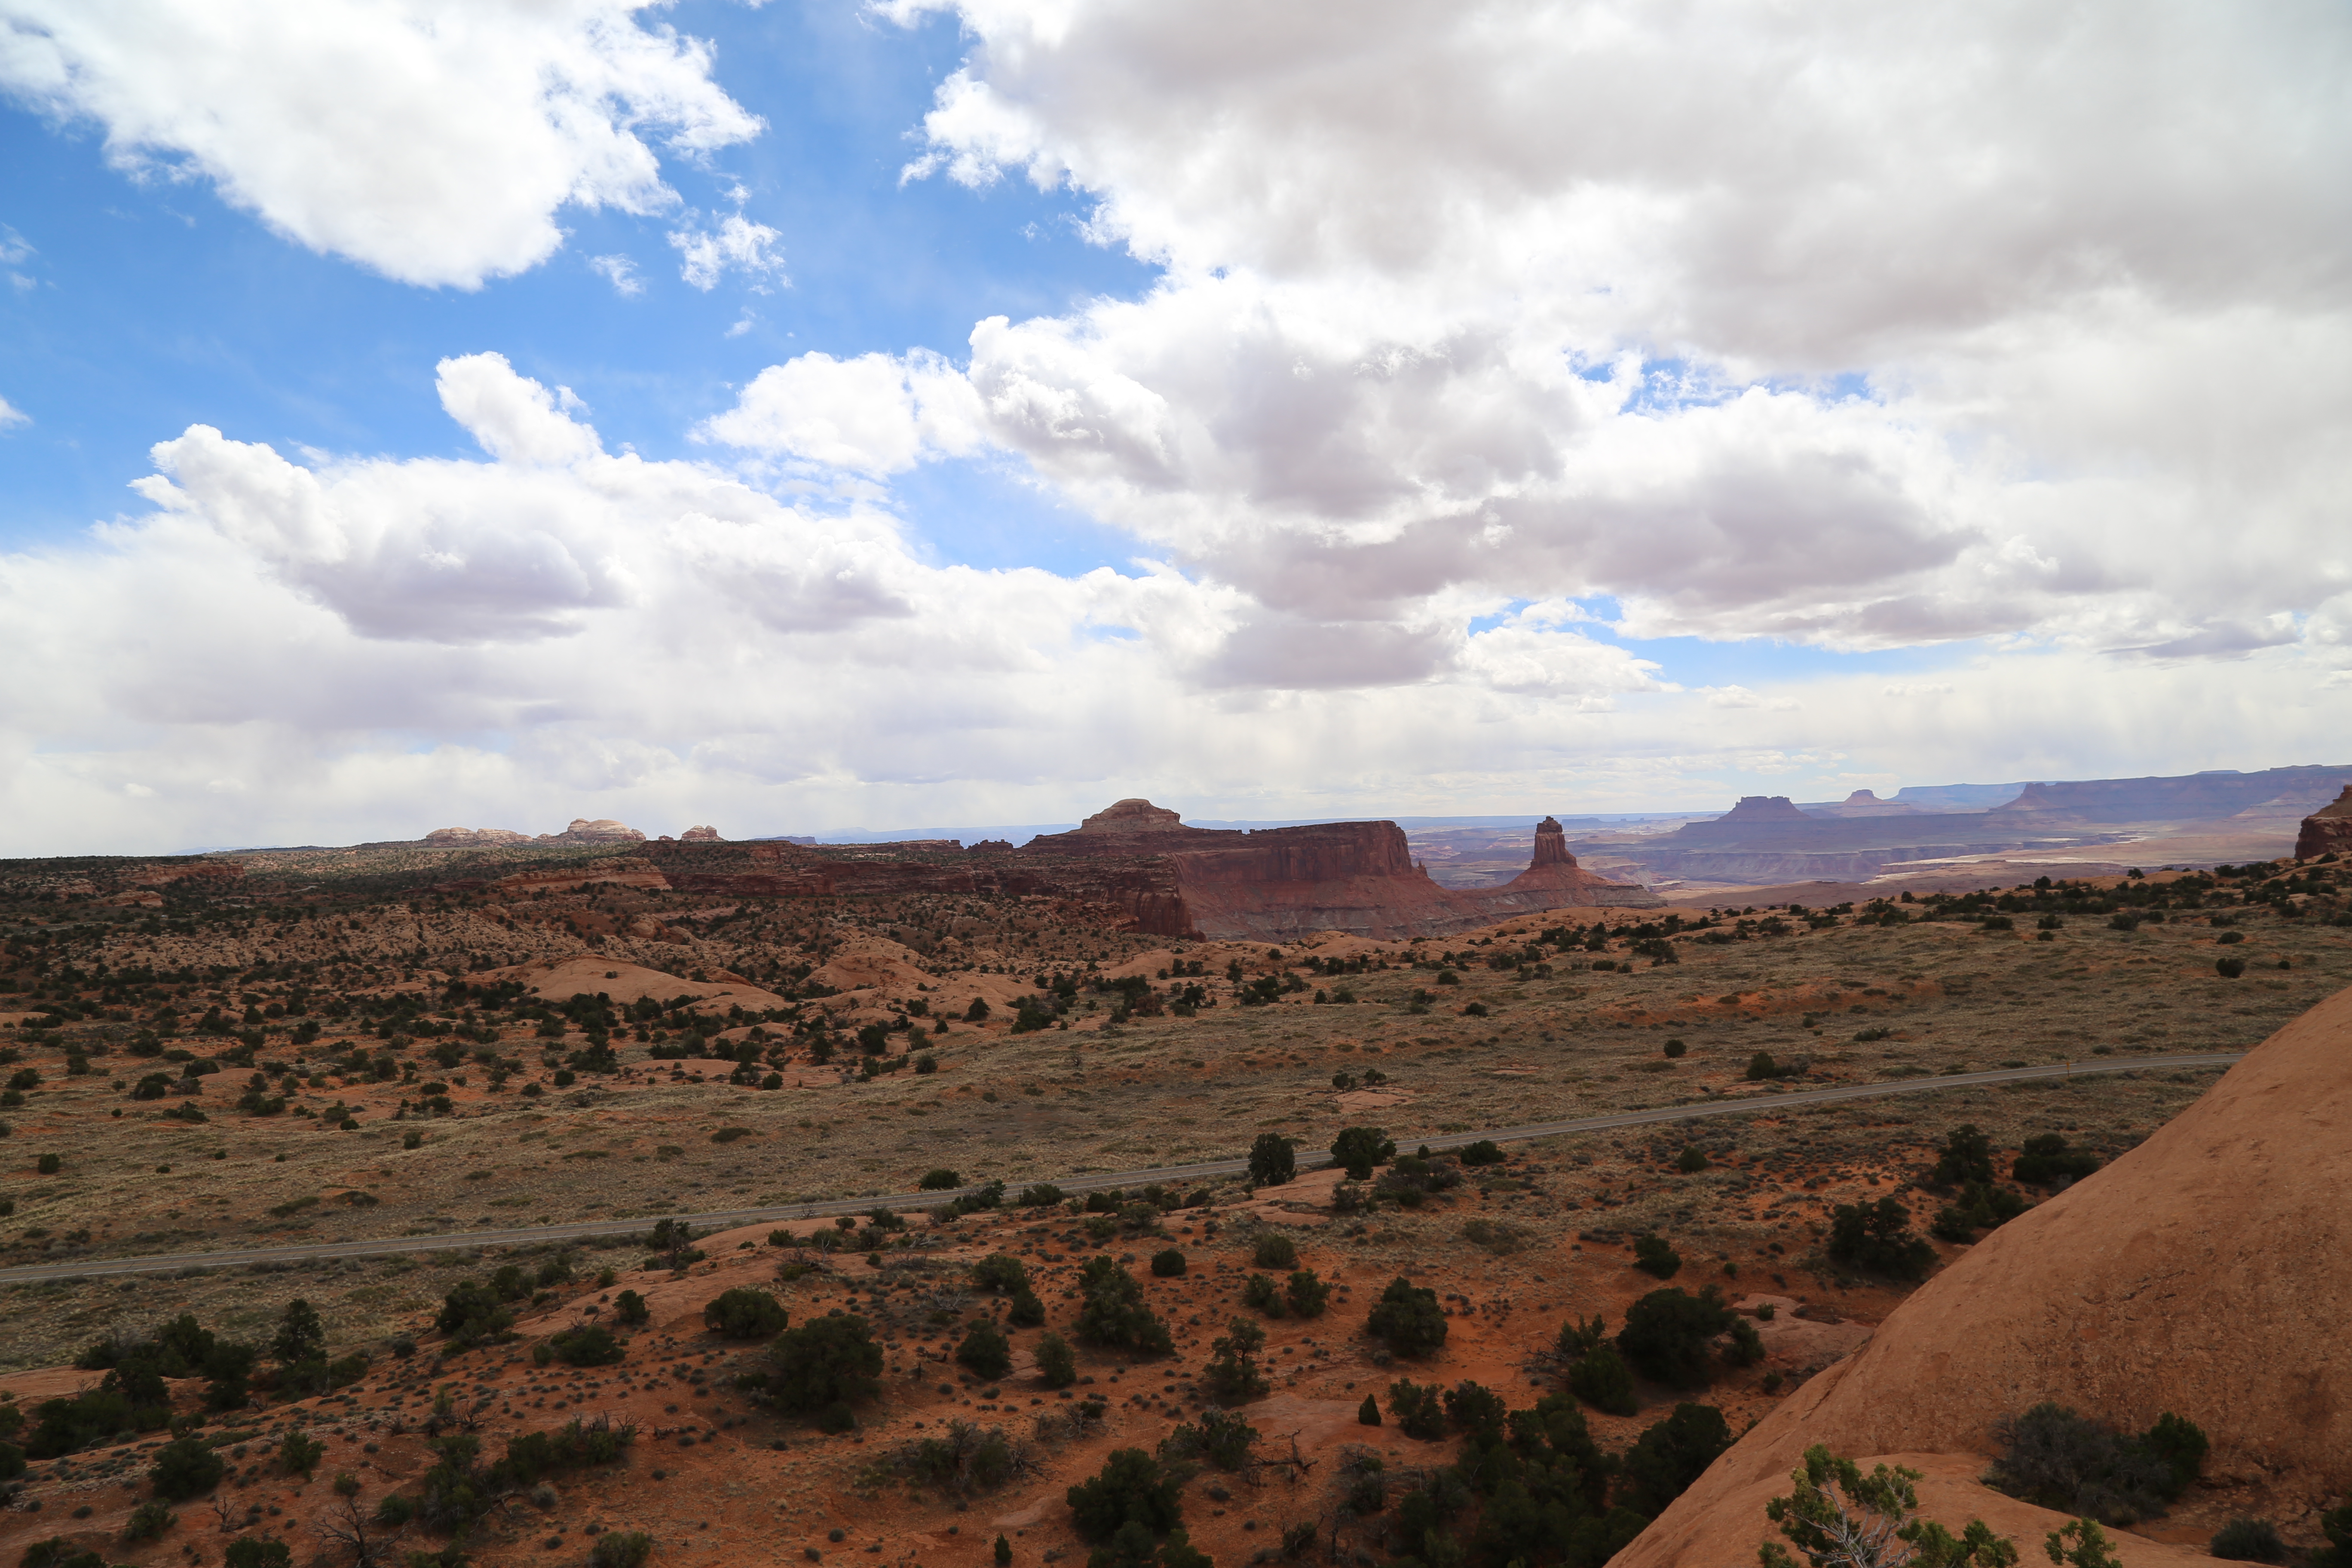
820 415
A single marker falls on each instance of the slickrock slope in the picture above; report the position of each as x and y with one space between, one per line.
2202 1273
2327 829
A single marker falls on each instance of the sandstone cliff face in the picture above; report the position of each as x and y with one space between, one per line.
2327 830
603 830
699 836
2202 1273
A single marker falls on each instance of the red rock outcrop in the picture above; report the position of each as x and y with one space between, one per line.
624 871
2202 1273
699 836
466 837
603 830
2327 830
189 871
1167 879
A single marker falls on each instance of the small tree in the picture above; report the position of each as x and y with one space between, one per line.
1409 1317
300 1334
1667 1458
939 1180
984 1349
1667 1332
1358 1149
2081 1544
258 1552
1271 1161
1231 1374
1368 1414
1274 1250
745 1314
1112 1311
826 1361
630 1307
1601 1380
185 1468
1967 1157
1130 1488
1838 1518
620 1549
1307 1295
1654 1255
1877 1236
1057 1366
999 1274
2045 1161
1168 1264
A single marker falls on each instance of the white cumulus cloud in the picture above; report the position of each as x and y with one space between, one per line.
431 140
736 245
872 415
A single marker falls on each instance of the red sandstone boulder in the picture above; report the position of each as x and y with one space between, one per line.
699 836
2329 830
603 830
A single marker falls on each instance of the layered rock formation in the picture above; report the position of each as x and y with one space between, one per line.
603 830
2202 1273
2196 797
2327 830
1169 880
467 838
699 836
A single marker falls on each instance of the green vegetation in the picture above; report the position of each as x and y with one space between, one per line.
1877 1236
2056 1459
1834 1506
1408 1318
1668 1332
1112 1312
745 1314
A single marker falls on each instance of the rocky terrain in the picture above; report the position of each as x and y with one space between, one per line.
406 1046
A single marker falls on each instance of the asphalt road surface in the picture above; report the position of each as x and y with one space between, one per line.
1746 1104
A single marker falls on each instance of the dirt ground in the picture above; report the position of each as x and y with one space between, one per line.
1435 1040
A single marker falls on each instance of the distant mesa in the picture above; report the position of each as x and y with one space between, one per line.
466 837
2329 830
603 830
1761 808
1134 816
1167 879
699 836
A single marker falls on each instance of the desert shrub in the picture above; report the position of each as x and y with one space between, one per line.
2336 1524
1877 1236
1967 1156
620 1549
1233 1372
1130 1488
258 1552
1667 1332
1274 1250
148 1520
1261 1293
1838 1518
999 1274
299 1454
57 1552
1368 1414
1486 1151
1747 1346
1418 1412
1168 1264
1222 1438
1306 1295
1690 1160
1112 1311
826 1361
1271 1161
1057 1366
2248 1541
301 1333
1761 1066
2058 1458
1473 1407
1358 1149
2045 1161
1669 1455
745 1314
1602 1379
984 1350
1653 1255
1026 1311
1981 1206
582 1344
2229 968
1408 1318
630 1307
939 1180
966 1461
185 1468
472 1313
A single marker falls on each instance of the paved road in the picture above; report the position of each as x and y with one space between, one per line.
1743 1104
